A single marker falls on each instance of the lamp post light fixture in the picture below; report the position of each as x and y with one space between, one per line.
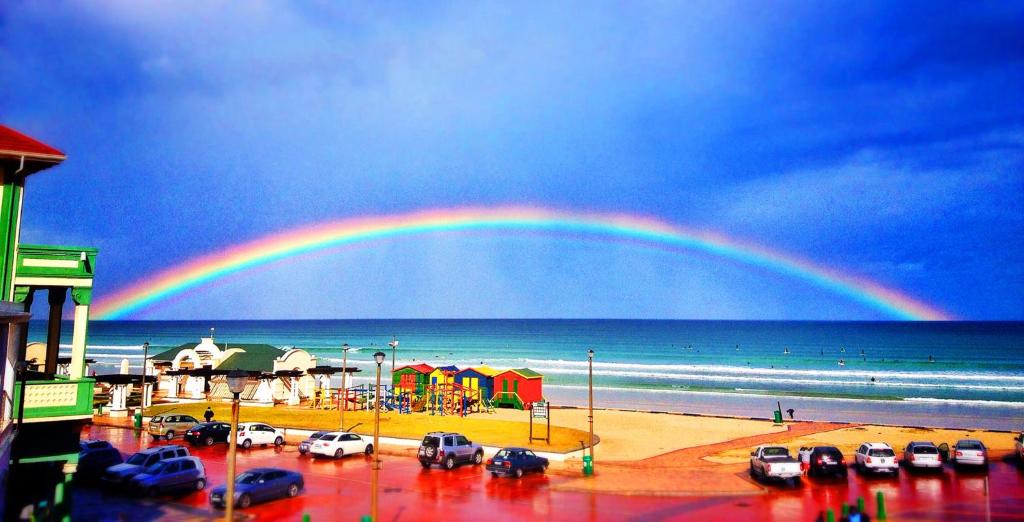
342 393
393 344
375 479
236 383
590 390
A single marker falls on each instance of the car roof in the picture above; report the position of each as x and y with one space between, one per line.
877 445
970 440
268 470
177 459
921 443
515 448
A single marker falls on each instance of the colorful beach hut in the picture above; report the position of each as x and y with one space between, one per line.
517 388
412 378
478 378
443 375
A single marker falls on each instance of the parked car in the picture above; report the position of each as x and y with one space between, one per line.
922 455
338 444
120 474
250 433
167 426
822 460
970 452
259 485
774 462
308 443
877 457
184 473
94 459
448 449
515 461
1019 446
208 433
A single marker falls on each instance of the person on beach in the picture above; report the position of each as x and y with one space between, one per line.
790 412
208 415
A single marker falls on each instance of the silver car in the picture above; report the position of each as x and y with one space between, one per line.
922 455
970 452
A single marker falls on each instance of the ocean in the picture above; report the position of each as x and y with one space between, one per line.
942 374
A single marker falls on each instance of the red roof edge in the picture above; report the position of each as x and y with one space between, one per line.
14 143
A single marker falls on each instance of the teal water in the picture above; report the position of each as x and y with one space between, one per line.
956 373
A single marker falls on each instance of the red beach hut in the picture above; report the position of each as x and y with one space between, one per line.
518 388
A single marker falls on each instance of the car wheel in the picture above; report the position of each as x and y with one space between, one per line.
544 466
152 492
279 441
200 484
449 463
293 490
244 501
247 443
170 434
494 474
369 450
519 472
478 458
425 464
302 451
339 453
208 440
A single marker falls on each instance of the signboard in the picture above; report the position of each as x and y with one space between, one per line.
540 410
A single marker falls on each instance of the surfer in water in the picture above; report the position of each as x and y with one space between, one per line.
842 362
931 359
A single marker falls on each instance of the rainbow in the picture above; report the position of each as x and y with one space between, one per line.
200 271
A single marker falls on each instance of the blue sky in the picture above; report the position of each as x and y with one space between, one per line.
883 140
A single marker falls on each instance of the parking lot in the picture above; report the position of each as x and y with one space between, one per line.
339 490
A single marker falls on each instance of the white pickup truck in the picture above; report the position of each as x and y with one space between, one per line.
774 462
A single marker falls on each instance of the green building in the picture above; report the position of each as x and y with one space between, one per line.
44 402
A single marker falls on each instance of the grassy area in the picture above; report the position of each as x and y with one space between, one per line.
478 427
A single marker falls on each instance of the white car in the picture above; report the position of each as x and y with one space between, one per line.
774 462
337 444
922 455
969 452
878 457
250 433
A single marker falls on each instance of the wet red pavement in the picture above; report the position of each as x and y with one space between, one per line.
339 490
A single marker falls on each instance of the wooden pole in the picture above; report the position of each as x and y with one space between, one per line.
343 392
229 497
375 479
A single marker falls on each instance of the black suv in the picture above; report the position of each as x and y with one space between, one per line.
208 433
448 449
825 460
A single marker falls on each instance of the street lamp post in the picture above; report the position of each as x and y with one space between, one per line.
145 356
393 344
236 383
342 393
374 479
590 390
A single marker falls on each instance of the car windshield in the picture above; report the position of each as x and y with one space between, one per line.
138 459
317 435
432 442
775 452
247 478
925 450
884 452
969 445
328 437
832 454
503 454
156 419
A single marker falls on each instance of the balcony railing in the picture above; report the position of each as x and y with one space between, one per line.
62 262
58 399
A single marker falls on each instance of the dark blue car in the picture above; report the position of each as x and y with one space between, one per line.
259 485
515 462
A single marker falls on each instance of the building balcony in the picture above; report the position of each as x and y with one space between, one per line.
58 399
46 262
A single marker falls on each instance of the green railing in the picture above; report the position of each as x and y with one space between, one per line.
508 398
50 400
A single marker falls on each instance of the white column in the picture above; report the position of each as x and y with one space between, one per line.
293 397
172 386
118 400
147 395
194 387
78 337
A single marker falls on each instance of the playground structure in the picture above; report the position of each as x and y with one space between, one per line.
444 390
